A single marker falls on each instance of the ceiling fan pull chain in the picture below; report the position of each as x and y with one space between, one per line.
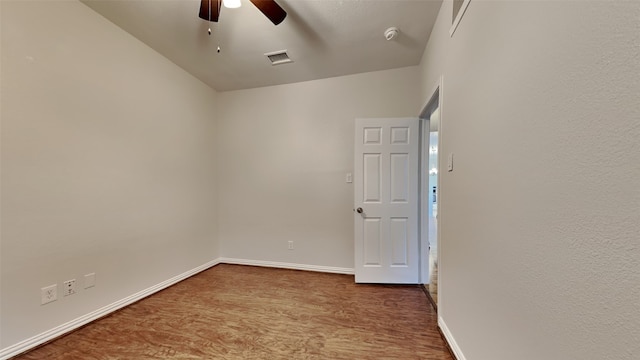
209 18
217 31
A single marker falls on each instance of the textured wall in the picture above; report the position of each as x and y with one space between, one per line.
108 165
284 154
540 252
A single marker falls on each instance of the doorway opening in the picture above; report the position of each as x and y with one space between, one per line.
430 192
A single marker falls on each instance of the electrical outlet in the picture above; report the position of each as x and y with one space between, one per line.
89 280
69 287
49 294
290 245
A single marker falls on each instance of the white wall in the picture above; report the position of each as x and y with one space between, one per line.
284 152
108 165
540 254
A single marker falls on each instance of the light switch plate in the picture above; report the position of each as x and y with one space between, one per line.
349 177
450 162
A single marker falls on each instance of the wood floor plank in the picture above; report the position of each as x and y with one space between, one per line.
243 312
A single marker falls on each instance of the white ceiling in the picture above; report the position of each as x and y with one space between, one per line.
325 38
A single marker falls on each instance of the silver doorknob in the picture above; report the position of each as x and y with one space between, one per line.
359 210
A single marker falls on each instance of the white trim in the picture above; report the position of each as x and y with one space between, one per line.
425 110
456 21
57 331
423 225
440 177
450 340
282 265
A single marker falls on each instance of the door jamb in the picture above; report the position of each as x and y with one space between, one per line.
435 97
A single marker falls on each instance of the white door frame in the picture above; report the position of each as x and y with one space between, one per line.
434 98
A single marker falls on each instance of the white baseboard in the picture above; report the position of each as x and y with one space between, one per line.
452 343
57 331
274 264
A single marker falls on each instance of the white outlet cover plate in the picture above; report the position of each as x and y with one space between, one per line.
69 287
49 294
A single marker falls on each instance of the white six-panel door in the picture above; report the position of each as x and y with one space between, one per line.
386 200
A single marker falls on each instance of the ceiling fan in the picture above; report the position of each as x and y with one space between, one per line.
210 10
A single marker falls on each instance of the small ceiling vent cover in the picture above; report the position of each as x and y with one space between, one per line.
278 57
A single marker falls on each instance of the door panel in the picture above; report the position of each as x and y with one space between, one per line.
399 178
400 241
386 189
372 242
399 135
371 178
372 135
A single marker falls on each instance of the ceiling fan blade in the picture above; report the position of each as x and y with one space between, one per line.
271 10
215 10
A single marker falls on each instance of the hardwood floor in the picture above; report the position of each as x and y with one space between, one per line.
244 312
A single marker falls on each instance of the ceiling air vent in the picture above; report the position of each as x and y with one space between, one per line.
278 57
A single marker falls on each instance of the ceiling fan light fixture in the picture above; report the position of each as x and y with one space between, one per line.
210 9
231 4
